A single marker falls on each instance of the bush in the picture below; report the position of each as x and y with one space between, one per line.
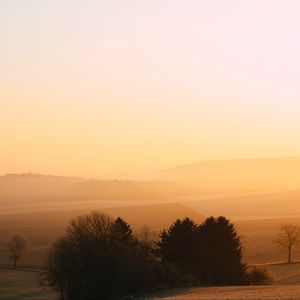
258 276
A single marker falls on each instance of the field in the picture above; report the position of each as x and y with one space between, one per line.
285 285
23 285
41 229
236 292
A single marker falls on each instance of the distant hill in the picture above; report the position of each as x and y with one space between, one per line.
34 192
249 206
239 175
240 189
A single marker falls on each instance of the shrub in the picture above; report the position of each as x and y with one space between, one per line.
257 276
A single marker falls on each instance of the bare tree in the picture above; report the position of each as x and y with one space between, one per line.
147 236
16 247
288 237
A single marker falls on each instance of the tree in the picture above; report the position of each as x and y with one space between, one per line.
147 237
211 251
288 237
221 255
98 258
59 266
121 231
178 245
86 256
16 247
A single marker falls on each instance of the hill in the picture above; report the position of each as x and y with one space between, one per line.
38 193
239 175
21 193
245 206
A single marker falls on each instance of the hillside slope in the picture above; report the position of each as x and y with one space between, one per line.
239 175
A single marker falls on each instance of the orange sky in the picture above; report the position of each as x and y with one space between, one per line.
91 88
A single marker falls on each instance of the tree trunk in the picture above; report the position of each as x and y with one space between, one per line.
62 297
290 254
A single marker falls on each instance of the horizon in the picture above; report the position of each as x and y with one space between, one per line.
134 176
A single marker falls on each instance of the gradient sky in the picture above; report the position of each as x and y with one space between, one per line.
107 87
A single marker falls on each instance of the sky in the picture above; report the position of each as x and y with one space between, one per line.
101 88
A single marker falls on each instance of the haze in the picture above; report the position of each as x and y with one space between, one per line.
173 126
101 88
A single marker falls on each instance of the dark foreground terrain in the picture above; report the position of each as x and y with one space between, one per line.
22 284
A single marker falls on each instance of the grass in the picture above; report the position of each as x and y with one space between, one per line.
234 292
23 285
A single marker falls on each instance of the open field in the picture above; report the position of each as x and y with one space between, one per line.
23 285
278 292
41 229
285 285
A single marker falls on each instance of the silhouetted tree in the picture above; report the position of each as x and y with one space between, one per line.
121 231
147 237
288 237
178 245
98 258
221 255
16 247
210 251
61 269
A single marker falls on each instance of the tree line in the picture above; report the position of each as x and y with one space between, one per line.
100 258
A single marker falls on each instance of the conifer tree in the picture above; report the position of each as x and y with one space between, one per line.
221 256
